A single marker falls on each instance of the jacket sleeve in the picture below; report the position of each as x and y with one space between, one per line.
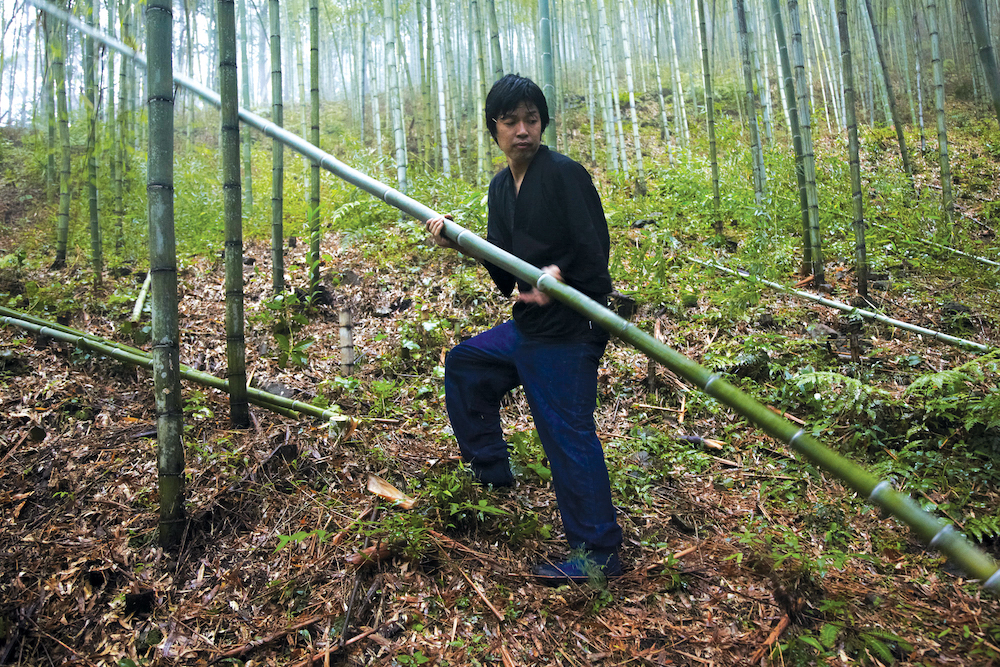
495 234
584 261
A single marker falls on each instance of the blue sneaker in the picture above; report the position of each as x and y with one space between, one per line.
590 566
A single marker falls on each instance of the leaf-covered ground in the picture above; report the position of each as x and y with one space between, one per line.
736 551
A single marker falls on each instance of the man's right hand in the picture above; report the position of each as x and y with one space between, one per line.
436 227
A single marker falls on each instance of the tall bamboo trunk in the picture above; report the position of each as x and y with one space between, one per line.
808 157
600 67
376 108
163 267
858 209
757 155
664 125
477 40
919 83
62 220
51 177
392 81
980 31
611 84
436 39
710 107
236 373
902 41
247 137
758 49
792 113
947 204
313 214
114 160
491 13
903 151
90 90
680 118
640 176
548 68
277 156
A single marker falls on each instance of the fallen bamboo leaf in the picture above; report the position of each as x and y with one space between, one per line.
384 489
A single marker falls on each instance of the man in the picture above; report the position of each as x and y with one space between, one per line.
544 209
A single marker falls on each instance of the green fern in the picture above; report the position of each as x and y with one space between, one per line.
846 396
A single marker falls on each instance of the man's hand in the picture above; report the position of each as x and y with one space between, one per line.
535 295
436 227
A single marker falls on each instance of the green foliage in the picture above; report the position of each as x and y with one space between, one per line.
527 448
285 317
296 538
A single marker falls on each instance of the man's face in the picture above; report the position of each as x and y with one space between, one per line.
519 133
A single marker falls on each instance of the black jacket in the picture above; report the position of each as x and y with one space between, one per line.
556 218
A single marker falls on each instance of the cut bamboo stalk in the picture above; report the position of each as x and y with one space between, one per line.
141 358
140 301
976 258
853 310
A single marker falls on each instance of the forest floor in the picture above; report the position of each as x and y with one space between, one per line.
736 552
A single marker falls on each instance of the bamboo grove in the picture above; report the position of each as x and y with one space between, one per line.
414 76
426 67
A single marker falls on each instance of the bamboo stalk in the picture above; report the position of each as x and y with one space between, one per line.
989 262
929 528
142 358
140 300
867 314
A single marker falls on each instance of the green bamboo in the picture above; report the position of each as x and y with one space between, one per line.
247 137
808 156
920 239
62 218
314 221
90 102
548 68
903 150
792 110
232 193
713 151
491 14
436 39
947 203
114 131
852 310
277 156
980 31
640 178
477 40
51 180
929 528
137 357
163 266
664 126
391 29
757 155
857 204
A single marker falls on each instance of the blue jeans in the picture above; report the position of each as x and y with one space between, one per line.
560 383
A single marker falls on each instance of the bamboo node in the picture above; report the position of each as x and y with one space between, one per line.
993 582
877 492
941 535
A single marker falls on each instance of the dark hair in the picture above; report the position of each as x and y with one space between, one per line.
505 96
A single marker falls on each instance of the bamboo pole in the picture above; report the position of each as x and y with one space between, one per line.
867 314
976 258
929 528
142 358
